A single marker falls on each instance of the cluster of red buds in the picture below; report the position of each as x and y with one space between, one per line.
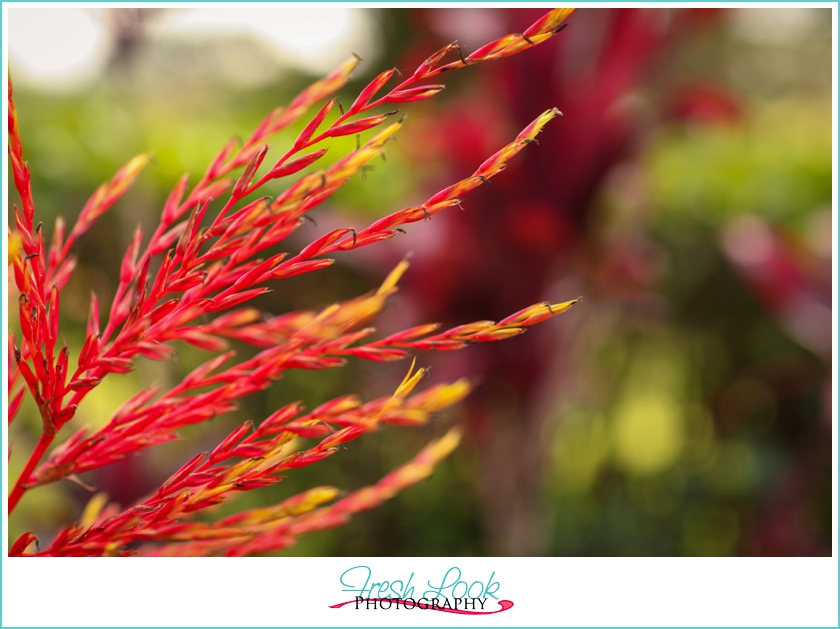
192 268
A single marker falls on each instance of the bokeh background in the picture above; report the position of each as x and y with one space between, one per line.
684 408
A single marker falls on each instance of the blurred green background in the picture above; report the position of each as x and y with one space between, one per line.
684 408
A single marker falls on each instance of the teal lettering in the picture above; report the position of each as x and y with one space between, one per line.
351 578
455 593
397 592
446 583
492 587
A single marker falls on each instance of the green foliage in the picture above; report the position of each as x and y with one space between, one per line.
777 164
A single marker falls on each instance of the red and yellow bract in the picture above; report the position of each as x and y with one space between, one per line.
202 271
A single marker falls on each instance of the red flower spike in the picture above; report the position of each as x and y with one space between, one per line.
279 417
65 416
321 89
550 22
256 483
357 126
213 191
429 64
216 268
142 274
130 258
322 243
345 340
309 130
262 130
182 473
90 350
234 300
21 544
14 404
57 241
365 239
301 267
239 190
337 406
243 156
496 334
196 339
223 450
173 202
64 272
52 315
376 354
259 273
305 459
25 233
196 377
414 93
164 241
115 365
411 333
435 344
186 283
162 310
369 92
493 47
84 384
215 170
296 165
29 378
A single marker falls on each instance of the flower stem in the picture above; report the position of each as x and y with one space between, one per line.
19 489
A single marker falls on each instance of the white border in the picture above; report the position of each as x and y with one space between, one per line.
297 591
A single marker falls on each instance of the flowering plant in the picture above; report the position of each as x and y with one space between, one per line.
203 265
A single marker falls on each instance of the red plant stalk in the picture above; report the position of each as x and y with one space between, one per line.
207 269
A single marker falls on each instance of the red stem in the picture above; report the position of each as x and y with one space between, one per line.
18 491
